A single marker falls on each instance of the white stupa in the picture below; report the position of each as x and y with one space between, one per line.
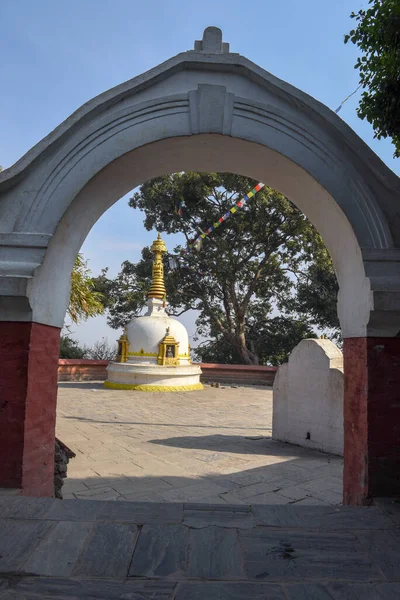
154 351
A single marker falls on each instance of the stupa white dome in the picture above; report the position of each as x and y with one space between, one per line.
154 351
145 333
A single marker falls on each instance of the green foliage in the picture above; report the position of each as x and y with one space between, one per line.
272 339
84 301
246 268
69 348
125 296
377 35
317 292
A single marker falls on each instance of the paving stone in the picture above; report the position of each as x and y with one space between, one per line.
249 491
292 555
141 512
67 589
143 497
161 551
293 492
314 591
322 517
207 440
109 552
214 553
57 553
98 493
18 507
18 540
193 492
74 510
199 516
363 591
310 501
270 499
229 591
73 485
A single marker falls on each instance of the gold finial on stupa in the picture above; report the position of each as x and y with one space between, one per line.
157 288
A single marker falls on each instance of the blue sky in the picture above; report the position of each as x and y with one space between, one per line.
57 55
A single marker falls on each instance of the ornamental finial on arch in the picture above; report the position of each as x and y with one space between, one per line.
212 42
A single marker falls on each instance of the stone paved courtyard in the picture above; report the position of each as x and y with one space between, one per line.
211 447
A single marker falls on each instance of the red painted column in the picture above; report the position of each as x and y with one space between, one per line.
28 393
371 419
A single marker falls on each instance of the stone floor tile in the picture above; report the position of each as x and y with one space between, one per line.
57 553
18 540
321 485
329 497
131 485
271 498
293 492
249 491
89 589
19 507
109 551
142 497
98 493
161 551
73 510
311 501
141 512
214 553
200 516
76 485
229 591
210 442
364 591
293 555
322 517
193 492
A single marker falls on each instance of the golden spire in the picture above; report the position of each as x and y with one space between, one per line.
157 288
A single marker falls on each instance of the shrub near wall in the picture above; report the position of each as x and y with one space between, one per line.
96 370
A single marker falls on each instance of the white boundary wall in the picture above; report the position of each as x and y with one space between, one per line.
308 397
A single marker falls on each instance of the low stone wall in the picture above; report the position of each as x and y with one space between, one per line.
73 369
239 374
96 370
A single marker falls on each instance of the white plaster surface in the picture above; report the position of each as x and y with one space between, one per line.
140 374
204 110
308 397
145 333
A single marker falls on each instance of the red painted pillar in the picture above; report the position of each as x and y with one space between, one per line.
28 392
371 419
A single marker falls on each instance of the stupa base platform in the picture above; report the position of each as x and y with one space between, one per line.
153 378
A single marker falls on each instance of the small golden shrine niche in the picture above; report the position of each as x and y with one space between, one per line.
123 348
168 352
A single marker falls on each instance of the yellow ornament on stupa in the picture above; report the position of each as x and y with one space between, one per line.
157 288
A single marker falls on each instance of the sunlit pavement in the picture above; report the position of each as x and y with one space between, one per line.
211 446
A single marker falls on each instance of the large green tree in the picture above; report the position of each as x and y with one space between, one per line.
245 272
377 35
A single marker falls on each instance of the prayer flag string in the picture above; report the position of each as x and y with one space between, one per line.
198 242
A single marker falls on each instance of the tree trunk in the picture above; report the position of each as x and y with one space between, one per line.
249 358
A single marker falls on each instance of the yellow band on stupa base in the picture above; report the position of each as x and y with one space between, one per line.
153 388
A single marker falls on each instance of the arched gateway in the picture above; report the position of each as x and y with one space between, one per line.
204 110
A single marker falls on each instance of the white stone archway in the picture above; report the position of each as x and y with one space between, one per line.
205 110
